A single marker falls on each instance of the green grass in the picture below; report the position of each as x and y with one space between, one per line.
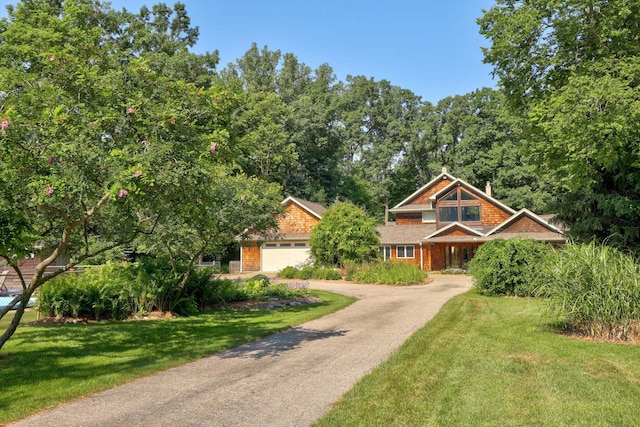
485 361
43 366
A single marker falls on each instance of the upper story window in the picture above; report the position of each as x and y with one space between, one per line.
429 216
459 205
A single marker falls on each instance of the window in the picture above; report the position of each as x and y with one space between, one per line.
470 213
299 245
449 214
404 252
270 245
385 253
459 205
285 245
466 196
451 197
429 216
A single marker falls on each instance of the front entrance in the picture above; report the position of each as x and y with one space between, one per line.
457 256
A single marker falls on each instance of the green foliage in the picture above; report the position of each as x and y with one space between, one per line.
509 267
596 288
344 234
571 69
386 273
310 272
98 293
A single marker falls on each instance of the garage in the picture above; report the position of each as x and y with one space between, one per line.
276 256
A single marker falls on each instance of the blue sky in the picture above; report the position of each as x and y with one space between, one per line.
431 47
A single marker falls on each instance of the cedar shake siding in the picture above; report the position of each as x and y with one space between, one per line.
458 218
251 257
296 220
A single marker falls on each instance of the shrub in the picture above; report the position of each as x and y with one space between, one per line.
289 273
344 234
597 288
99 293
306 273
386 273
509 267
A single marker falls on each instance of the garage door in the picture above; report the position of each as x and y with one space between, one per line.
276 256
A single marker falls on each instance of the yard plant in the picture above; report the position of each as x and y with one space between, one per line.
496 361
509 267
310 272
386 273
596 290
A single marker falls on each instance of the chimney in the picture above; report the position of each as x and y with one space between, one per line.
386 213
488 189
444 169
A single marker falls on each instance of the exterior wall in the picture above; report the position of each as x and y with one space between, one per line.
438 261
296 220
526 225
416 255
454 231
423 198
251 257
411 218
491 214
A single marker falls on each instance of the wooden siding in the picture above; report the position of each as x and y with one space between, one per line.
251 257
409 218
423 198
525 225
296 220
416 255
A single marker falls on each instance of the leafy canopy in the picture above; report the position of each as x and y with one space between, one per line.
345 234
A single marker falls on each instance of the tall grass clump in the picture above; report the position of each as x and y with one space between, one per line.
310 272
386 273
512 267
597 289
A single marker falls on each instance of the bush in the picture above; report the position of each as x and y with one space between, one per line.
386 273
509 267
306 273
597 288
99 293
344 234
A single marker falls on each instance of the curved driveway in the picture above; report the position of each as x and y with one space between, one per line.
287 379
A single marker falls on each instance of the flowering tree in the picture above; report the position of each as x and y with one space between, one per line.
102 136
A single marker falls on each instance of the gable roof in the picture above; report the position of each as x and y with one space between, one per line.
453 225
403 234
314 209
444 174
474 190
522 213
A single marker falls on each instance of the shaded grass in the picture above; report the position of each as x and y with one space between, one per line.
42 366
490 361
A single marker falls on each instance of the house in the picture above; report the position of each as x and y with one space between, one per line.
442 224
289 244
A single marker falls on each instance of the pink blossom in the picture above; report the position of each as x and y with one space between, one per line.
4 125
33 200
213 148
138 173
243 197
52 58
49 190
131 110
50 160
122 192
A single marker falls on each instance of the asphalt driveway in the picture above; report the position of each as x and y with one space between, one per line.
287 379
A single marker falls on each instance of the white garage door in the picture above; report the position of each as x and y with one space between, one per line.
276 256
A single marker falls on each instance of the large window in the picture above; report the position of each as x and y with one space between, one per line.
429 216
459 205
404 252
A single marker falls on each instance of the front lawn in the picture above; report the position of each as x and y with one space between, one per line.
42 366
495 361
